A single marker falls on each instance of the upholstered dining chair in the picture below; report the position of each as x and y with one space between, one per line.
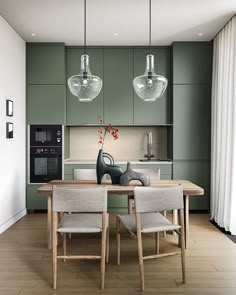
90 174
147 219
89 215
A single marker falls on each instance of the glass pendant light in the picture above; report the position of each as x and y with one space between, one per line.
150 86
85 86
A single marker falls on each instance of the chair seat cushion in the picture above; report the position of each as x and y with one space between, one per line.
150 222
81 223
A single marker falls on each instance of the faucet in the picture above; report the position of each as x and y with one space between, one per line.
149 153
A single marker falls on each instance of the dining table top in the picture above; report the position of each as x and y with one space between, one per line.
189 188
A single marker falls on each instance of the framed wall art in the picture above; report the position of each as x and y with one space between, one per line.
9 130
9 108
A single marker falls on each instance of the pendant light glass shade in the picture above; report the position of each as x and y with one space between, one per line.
85 86
150 86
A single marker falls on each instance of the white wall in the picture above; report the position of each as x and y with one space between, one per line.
12 151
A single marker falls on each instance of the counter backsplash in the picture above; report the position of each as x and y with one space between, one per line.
131 145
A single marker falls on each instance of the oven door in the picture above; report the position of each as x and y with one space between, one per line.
44 168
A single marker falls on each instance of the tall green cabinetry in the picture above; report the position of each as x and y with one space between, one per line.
192 64
117 102
45 96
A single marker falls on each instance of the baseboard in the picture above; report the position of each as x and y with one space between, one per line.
12 220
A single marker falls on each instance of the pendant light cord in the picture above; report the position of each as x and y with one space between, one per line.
150 25
85 21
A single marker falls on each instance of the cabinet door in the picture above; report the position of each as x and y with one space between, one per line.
197 172
45 64
192 62
118 87
158 112
83 112
35 201
45 104
192 121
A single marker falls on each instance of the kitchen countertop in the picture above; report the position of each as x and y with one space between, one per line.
75 161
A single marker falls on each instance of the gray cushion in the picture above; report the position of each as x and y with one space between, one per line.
150 222
81 223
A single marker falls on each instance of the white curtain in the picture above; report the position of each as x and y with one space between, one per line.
223 135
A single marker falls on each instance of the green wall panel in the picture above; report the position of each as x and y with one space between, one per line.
45 104
118 87
45 63
158 112
82 112
192 62
192 121
197 172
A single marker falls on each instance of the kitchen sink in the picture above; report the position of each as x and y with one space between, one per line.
155 160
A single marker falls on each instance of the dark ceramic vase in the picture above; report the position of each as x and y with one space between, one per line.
103 168
130 174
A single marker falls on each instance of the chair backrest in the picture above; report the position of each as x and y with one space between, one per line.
79 199
149 199
153 174
85 174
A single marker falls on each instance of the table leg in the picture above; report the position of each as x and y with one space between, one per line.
186 220
49 223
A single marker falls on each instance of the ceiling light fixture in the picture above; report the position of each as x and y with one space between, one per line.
115 34
200 34
150 86
33 34
85 86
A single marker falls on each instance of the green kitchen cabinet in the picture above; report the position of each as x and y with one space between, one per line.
35 201
197 172
191 122
45 63
192 62
118 86
158 112
45 104
79 113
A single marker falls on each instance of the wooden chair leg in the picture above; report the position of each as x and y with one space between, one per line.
130 205
54 251
64 246
118 240
182 238
140 251
157 243
103 250
164 232
107 246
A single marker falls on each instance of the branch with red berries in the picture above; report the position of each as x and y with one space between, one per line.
106 129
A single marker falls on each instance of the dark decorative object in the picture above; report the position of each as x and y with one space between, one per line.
130 174
9 108
9 130
102 168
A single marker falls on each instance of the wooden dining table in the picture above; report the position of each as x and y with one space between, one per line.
189 189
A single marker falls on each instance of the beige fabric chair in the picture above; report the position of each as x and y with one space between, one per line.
147 219
89 206
90 174
153 174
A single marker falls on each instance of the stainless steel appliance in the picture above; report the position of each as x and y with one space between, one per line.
45 163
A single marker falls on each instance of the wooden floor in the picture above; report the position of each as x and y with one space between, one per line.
25 263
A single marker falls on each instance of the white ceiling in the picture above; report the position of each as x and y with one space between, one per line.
62 20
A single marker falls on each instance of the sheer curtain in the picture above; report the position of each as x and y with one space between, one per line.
223 135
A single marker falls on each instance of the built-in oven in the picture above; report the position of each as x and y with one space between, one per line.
45 157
